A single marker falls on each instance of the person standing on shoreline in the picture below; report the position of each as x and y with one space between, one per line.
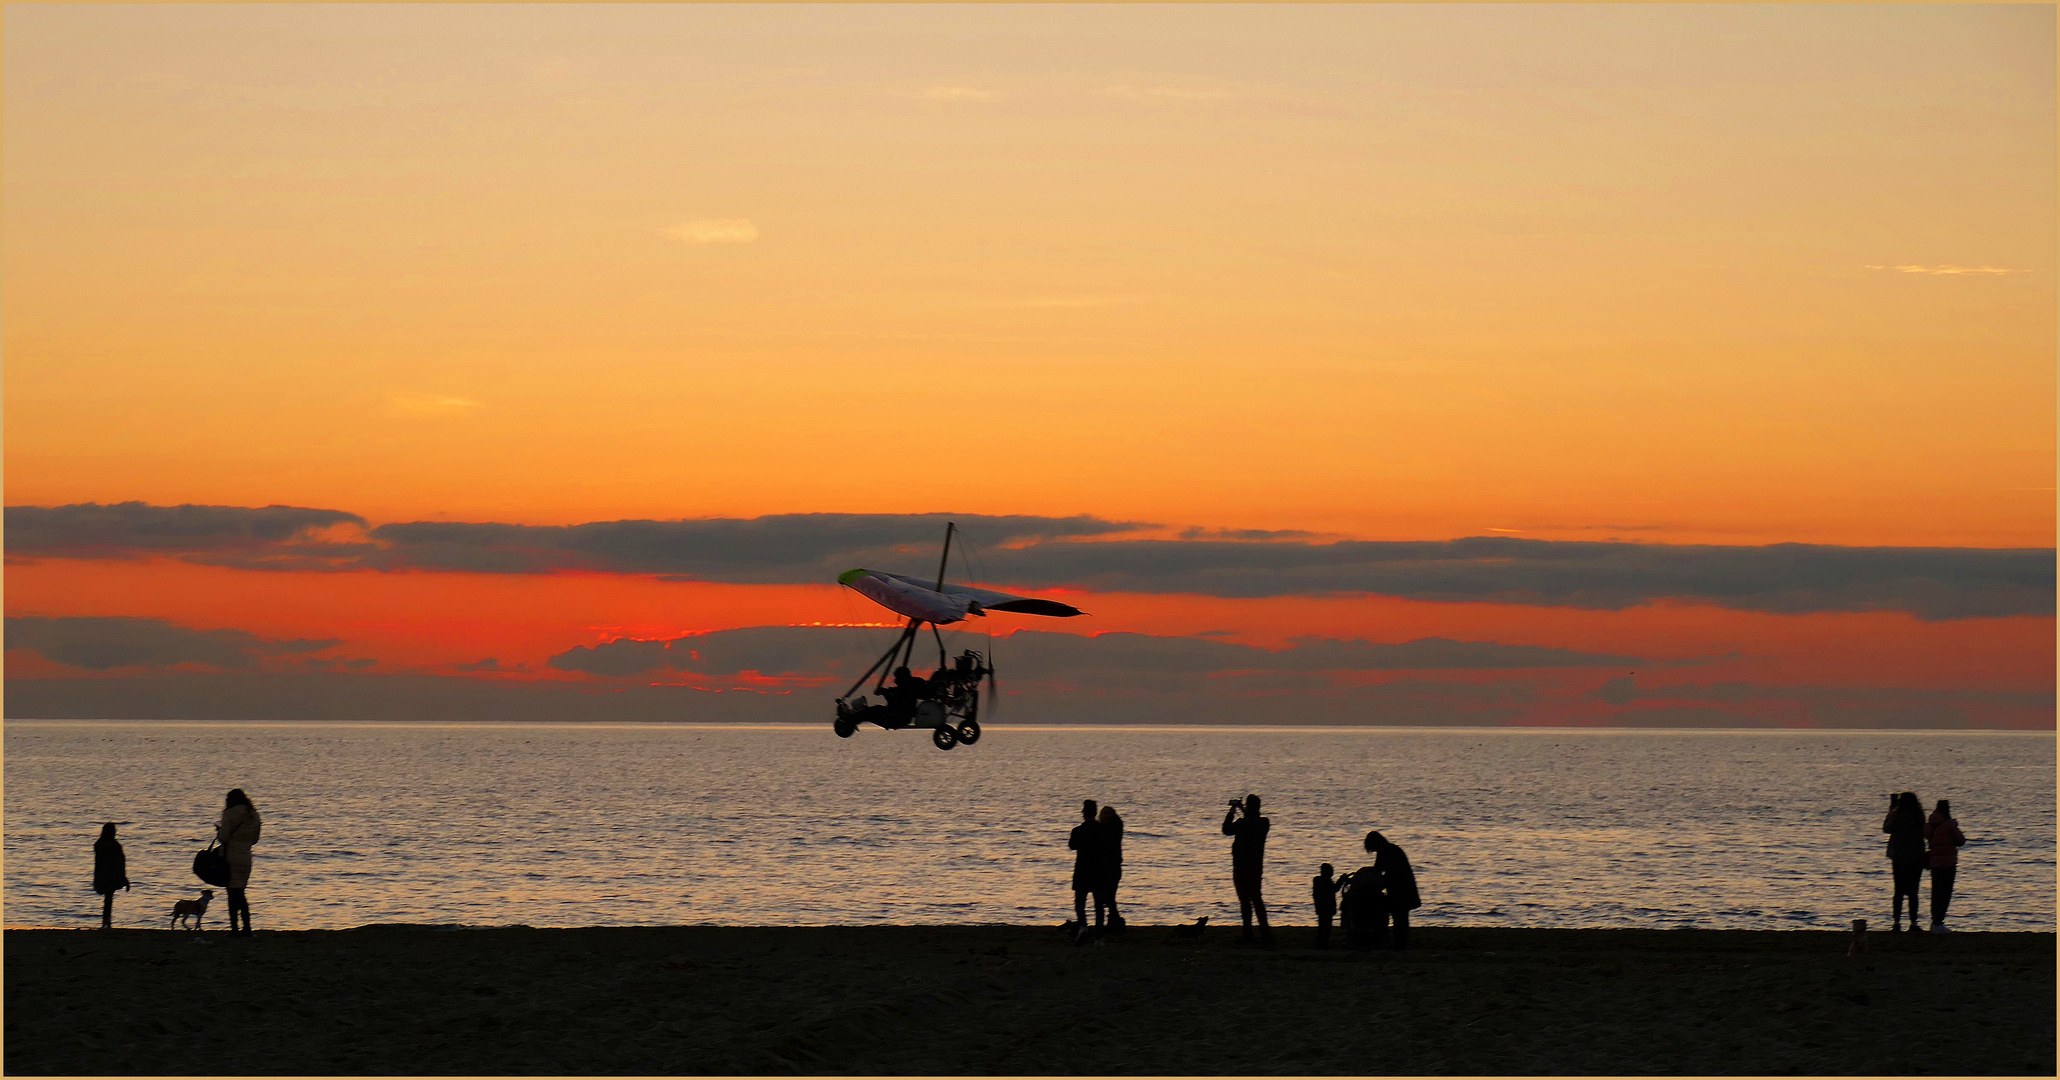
1324 891
1945 838
110 872
1905 828
1248 862
1110 873
1085 841
236 832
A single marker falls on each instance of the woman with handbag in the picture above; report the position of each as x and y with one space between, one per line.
236 832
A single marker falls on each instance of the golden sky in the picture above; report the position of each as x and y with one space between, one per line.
1381 271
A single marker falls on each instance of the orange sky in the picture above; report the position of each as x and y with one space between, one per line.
1676 274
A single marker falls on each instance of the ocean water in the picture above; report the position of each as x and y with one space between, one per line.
577 825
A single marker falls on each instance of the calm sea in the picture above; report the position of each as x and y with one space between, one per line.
578 825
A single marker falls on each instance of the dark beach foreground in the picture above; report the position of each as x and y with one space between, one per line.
1014 1000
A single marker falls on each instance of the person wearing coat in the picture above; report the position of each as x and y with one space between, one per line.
1397 885
110 872
1905 828
1085 840
1109 872
1946 839
236 832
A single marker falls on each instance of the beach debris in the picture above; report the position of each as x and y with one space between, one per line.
1191 931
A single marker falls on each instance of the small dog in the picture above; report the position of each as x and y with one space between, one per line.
1859 945
1192 931
195 910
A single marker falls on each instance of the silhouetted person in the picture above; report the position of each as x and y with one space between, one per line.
1248 862
901 697
110 872
1906 857
1086 844
1398 893
1324 890
237 831
1109 866
1364 911
1945 837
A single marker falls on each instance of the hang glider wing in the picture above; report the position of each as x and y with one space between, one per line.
918 599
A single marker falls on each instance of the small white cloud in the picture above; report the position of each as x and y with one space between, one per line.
715 231
958 93
1167 93
429 406
1948 268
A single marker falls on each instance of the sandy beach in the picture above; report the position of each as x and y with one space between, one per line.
1014 1000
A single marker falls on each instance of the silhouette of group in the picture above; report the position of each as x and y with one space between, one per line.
1917 843
236 831
1376 896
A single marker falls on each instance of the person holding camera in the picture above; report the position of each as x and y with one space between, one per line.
1248 862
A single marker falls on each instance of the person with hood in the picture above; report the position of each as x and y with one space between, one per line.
110 872
236 832
1905 828
1085 840
1109 873
1946 839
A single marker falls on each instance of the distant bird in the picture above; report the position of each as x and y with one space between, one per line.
1191 931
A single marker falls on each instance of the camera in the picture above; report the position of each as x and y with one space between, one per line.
1237 804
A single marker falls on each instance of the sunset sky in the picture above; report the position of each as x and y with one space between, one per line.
1438 364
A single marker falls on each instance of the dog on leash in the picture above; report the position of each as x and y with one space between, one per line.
195 910
1859 945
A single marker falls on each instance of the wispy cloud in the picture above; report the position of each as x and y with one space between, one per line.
1949 268
958 93
1167 93
1068 302
715 231
429 406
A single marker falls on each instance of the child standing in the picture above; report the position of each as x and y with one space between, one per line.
1325 889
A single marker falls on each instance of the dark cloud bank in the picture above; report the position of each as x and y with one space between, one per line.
100 643
1078 553
1116 677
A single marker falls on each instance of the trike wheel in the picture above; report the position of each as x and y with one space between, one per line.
944 737
846 728
969 732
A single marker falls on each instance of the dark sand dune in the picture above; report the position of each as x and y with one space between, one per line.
1021 1001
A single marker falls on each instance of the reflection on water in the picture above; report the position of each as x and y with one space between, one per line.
653 824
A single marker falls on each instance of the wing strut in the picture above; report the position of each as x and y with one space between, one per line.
907 633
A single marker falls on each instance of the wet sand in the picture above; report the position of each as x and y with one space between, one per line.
1012 1000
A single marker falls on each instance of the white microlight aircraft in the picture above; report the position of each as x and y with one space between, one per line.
948 702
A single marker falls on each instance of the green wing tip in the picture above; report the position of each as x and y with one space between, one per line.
849 576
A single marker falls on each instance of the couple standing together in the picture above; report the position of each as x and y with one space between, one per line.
1097 844
1909 834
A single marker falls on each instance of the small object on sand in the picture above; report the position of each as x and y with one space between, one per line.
1859 945
1191 931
